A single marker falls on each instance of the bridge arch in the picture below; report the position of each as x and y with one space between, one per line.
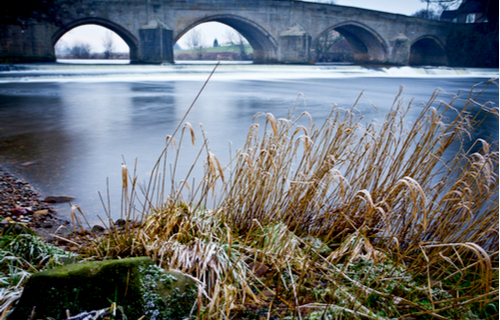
263 44
427 50
126 35
368 45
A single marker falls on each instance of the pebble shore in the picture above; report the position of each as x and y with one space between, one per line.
20 203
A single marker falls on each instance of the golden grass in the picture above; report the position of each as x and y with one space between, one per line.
351 221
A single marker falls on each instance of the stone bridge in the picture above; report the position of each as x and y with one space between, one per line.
280 31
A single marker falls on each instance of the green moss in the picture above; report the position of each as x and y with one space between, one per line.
81 287
136 284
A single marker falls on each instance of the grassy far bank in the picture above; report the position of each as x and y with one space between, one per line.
231 48
232 52
325 220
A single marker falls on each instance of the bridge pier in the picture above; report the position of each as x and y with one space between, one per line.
294 45
31 43
156 43
400 51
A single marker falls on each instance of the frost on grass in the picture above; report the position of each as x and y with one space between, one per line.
176 305
21 255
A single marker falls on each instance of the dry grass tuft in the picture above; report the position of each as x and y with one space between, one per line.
346 220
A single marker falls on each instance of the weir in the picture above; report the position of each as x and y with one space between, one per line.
280 31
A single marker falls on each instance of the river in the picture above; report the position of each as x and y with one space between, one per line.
68 128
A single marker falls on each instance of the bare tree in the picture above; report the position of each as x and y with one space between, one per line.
236 39
108 44
441 5
61 47
81 50
426 14
194 42
241 46
331 46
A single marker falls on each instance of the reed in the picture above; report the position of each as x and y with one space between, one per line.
331 220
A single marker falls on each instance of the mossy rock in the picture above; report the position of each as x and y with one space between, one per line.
135 284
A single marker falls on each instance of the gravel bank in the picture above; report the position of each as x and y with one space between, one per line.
21 203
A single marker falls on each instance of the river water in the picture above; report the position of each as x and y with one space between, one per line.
68 128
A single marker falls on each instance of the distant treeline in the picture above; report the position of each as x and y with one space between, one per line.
225 56
94 55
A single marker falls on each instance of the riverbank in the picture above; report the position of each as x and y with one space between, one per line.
314 220
21 204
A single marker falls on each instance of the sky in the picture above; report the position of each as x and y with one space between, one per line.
94 35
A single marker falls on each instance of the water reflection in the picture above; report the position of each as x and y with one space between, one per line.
153 104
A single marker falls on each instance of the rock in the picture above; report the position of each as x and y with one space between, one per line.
267 295
97 229
58 199
120 222
7 220
21 210
258 268
41 212
28 164
136 284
